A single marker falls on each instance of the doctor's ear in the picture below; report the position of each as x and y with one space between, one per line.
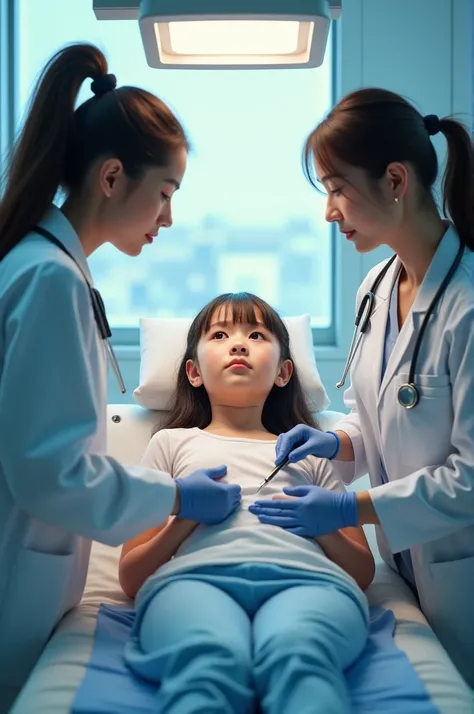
397 177
193 374
285 373
110 173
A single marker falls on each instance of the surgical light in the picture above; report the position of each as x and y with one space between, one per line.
247 34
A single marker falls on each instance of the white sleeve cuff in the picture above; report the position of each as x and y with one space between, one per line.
351 470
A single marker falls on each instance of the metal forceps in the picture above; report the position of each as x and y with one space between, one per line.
273 474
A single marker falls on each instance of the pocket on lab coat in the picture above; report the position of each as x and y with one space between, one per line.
451 611
425 431
33 606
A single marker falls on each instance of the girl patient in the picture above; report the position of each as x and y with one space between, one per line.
238 612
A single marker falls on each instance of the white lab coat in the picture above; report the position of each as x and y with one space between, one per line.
58 491
428 504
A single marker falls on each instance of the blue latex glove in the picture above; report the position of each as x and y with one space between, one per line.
205 501
302 441
315 512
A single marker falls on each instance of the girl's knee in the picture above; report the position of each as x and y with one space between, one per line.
208 655
201 658
317 641
285 640
233 653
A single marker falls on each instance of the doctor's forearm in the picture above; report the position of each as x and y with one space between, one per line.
346 449
365 509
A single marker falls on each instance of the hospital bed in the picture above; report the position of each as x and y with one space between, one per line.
58 674
55 680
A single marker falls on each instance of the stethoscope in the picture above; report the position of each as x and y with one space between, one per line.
97 307
408 394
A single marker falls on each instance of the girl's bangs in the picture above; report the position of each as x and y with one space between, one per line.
243 309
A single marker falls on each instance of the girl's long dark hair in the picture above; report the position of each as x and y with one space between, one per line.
371 128
284 408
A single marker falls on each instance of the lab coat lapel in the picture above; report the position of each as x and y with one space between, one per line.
440 265
373 342
404 340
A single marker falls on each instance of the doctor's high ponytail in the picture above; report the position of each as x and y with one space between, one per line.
458 180
371 128
38 160
58 143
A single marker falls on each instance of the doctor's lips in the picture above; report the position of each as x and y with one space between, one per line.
151 236
238 362
348 234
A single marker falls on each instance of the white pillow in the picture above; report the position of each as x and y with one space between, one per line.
163 342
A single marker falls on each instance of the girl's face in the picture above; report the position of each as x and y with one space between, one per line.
132 215
238 364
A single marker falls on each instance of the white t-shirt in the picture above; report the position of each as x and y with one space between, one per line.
242 538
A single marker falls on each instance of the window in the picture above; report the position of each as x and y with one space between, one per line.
245 218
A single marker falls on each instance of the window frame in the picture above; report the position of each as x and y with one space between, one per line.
8 75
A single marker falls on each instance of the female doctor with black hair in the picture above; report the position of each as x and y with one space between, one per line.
411 399
119 158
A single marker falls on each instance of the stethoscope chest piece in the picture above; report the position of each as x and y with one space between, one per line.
408 396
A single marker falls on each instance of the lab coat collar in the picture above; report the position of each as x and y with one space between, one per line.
439 266
383 292
382 301
377 325
56 223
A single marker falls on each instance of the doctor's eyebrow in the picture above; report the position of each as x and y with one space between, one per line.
330 177
173 182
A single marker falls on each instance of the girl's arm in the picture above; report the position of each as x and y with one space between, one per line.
349 549
143 555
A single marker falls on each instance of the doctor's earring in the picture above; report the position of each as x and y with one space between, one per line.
396 200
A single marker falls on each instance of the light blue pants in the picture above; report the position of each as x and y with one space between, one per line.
217 640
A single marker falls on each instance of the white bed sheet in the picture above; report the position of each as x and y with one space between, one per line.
54 682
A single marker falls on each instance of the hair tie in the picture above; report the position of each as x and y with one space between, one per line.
103 84
432 124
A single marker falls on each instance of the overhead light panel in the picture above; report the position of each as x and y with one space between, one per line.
249 34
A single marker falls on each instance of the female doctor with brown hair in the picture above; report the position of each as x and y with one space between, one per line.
411 399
